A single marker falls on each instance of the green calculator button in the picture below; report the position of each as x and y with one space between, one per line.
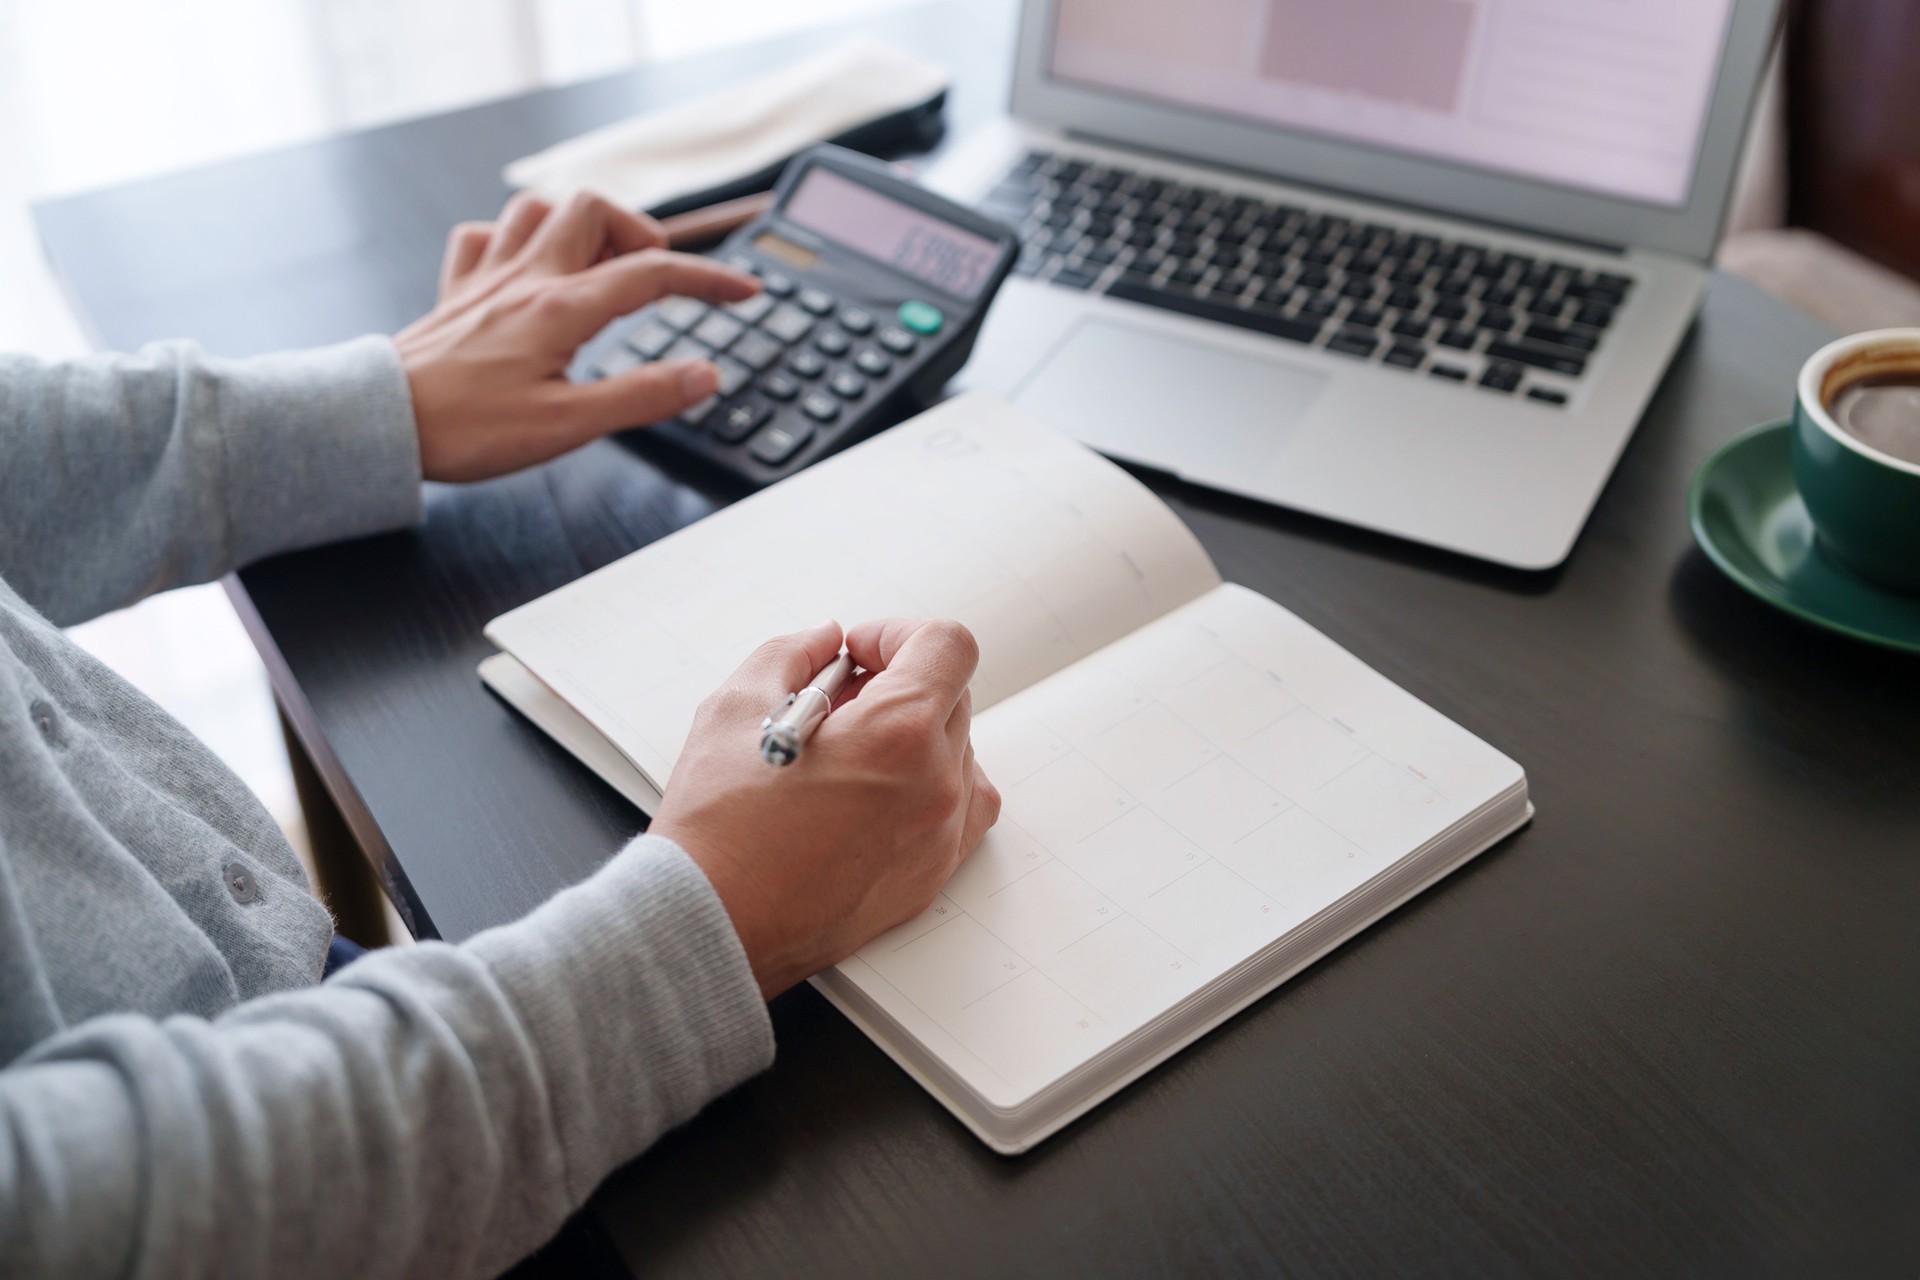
921 317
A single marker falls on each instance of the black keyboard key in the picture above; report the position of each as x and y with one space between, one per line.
1354 342
818 301
807 364
1319 304
1459 339
686 349
1404 299
1409 327
650 338
756 350
736 422
847 384
1594 315
855 321
897 340
788 323
1101 254
1539 357
1496 319
1406 355
1074 277
1450 309
1449 372
833 342
778 386
1546 395
1501 376
1571 339
820 406
1258 319
1313 278
680 313
733 374
1366 317
1361 287
780 441
872 363
615 362
694 415
1278 294
750 310
1188 273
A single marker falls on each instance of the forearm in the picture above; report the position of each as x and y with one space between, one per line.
125 475
437 1110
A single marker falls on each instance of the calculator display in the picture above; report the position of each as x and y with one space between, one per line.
916 243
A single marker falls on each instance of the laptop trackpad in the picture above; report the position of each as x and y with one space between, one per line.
1182 406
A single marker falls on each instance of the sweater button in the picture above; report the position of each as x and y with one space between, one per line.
241 884
46 722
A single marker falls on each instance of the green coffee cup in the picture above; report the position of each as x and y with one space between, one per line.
1865 503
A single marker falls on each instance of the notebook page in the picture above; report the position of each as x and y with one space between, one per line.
1046 550
1173 804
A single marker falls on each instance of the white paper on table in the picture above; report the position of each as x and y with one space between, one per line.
646 160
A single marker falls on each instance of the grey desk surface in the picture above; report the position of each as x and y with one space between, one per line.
1670 1027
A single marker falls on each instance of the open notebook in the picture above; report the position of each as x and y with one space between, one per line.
1203 794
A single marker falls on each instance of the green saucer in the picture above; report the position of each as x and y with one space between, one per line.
1749 519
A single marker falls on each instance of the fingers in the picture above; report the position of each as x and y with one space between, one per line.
983 808
628 283
786 663
465 244
518 221
930 658
590 228
640 397
960 724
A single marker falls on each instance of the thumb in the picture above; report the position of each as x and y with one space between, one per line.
641 397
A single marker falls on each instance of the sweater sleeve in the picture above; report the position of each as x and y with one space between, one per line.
437 1110
121 476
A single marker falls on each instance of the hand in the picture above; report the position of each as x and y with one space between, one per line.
487 366
859 834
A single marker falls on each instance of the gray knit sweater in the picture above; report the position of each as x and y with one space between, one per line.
178 1092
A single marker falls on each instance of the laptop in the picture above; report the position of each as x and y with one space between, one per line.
1415 265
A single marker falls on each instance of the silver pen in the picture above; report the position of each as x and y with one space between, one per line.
787 729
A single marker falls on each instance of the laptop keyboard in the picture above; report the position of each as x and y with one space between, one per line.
1510 323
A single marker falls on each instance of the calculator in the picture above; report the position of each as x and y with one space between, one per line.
872 293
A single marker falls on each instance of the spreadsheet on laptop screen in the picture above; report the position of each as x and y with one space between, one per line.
1609 97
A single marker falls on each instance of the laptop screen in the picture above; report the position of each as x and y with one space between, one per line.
1608 97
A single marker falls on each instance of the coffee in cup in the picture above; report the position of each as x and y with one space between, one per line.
1856 454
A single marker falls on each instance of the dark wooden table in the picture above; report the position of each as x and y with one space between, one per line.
1674 1026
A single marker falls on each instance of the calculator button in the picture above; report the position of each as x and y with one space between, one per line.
820 406
756 350
833 342
872 363
780 441
686 349
733 375
751 309
741 262
778 386
855 321
818 301
847 384
738 421
807 364
898 341
681 313
788 323
717 330
650 338
694 415
777 285
618 360
921 317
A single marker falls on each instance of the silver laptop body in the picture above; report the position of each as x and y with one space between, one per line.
1414 265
